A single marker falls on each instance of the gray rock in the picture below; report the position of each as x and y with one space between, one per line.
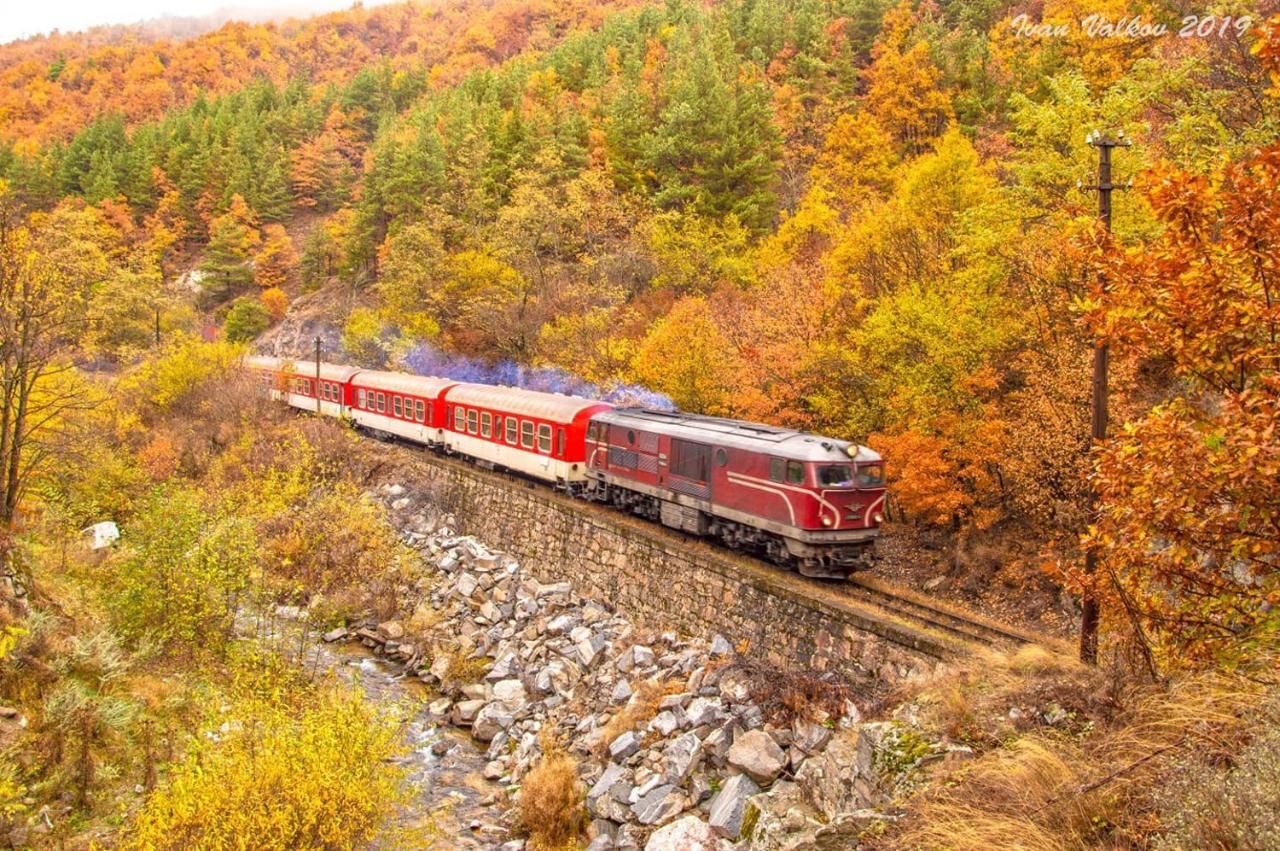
642 656
621 692
703 710
491 720
465 712
466 584
336 634
614 776
757 755
810 736
510 692
682 756
687 834
624 746
390 631
664 724
730 804
720 646
661 804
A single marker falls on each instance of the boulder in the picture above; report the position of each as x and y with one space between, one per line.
615 777
729 806
758 756
664 724
510 692
661 804
465 712
624 746
702 710
490 721
390 631
843 778
687 834
810 736
621 692
682 756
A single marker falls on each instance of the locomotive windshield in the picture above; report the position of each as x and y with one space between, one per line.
870 475
835 476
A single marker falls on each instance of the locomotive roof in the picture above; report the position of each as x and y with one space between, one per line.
530 403
303 367
719 431
402 382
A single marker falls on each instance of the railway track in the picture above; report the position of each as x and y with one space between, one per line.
898 614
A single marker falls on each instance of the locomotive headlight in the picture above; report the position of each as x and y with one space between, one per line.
879 518
826 520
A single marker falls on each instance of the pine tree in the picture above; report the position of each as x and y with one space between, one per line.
232 238
715 146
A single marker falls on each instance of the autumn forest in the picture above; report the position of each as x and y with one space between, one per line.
871 219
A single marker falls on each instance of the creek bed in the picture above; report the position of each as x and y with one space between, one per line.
451 802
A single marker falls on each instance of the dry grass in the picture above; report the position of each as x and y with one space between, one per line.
640 709
971 703
551 803
787 695
1048 790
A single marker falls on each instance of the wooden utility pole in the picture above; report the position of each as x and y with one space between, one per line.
318 375
1098 402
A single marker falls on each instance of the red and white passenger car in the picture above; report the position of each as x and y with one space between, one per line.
811 502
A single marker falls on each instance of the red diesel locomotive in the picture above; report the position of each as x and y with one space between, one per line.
801 500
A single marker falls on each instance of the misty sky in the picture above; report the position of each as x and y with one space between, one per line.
22 18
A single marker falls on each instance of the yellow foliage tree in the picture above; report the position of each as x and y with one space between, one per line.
276 260
903 92
280 780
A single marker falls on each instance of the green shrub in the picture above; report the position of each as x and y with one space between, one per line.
247 319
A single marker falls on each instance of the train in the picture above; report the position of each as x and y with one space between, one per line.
806 502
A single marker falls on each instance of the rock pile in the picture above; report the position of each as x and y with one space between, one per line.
663 727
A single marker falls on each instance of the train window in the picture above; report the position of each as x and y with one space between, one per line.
870 475
382 402
473 421
560 442
544 438
722 457
777 469
486 424
431 411
459 419
512 425
359 398
690 460
397 406
631 437
419 410
795 472
835 476
526 434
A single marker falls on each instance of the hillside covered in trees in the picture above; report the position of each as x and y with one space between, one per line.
864 218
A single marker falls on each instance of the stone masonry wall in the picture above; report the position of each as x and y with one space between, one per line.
669 581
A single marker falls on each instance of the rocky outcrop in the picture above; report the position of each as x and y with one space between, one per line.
668 735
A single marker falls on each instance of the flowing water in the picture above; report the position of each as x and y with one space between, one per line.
451 803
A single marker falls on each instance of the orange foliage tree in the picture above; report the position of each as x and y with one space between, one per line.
276 260
1189 526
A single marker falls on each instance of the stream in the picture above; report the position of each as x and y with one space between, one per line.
452 804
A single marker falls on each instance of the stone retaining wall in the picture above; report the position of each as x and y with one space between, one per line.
668 581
